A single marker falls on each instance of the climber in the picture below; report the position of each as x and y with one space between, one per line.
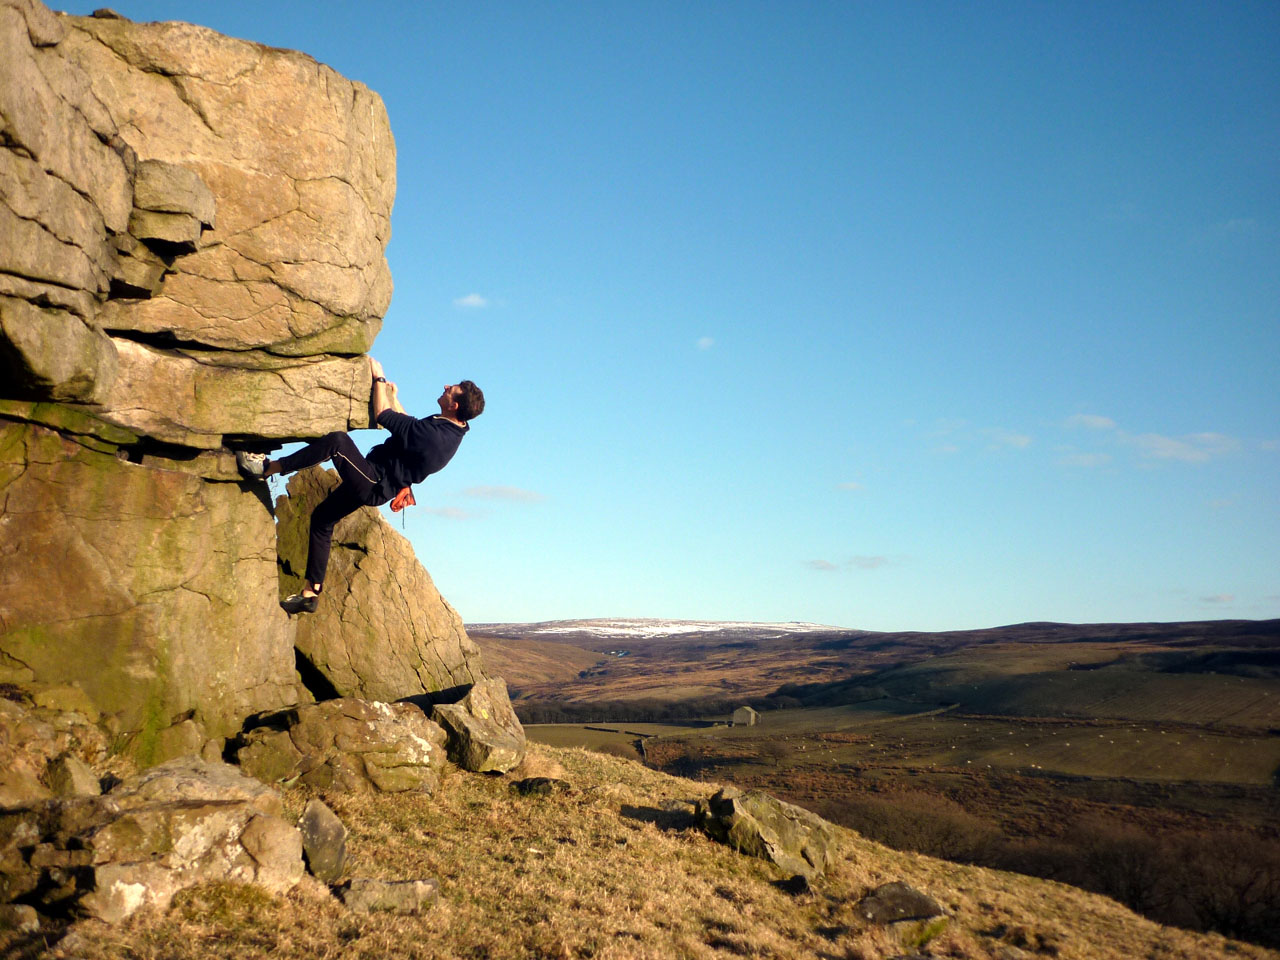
417 448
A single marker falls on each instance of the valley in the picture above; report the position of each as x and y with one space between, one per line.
1137 760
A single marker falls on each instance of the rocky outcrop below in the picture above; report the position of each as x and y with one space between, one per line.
192 236
173 826
348 745
485 735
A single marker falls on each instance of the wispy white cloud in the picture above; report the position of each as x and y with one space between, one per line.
472 301
1194 448
705 343
999 439
1091 421
868 563
1084 459
851 485
1219 598
515 494
855 563
451 513
1191 448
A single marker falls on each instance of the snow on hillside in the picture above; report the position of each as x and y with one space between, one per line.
649 629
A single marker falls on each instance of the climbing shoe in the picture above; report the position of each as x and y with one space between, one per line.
300 604
251 464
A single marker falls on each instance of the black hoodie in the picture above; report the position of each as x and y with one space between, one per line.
417 448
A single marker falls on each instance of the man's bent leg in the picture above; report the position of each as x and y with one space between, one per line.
317 451
342 501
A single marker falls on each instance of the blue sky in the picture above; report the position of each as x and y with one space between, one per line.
884 315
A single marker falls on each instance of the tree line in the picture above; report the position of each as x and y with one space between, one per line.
643 710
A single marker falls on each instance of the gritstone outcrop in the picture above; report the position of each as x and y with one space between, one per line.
383 632
192 236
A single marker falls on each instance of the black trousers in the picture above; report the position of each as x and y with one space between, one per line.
360 487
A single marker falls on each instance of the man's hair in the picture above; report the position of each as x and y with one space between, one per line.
470 401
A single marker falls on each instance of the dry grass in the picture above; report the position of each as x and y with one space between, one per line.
613 870
535 661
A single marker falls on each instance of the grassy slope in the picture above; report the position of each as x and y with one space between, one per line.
608 871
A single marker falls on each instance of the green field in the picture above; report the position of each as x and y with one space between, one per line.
1084 681
885 733
618 738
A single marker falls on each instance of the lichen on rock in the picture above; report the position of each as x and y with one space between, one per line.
347 744
192 256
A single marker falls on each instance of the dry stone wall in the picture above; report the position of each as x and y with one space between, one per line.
192 236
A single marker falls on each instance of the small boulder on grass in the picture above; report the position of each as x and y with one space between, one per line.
536 764
762 826
540 786
894 902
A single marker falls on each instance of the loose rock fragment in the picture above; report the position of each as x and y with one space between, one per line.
324 841
484 733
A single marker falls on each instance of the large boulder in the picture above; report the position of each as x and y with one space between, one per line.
173 826
382 632
348 745
181 188
192 236
484 732
759 825
150 590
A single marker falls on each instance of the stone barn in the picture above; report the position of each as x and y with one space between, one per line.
745 717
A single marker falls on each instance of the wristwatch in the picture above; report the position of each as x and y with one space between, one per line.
379 379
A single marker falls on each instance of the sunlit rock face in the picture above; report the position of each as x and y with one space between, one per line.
382 631
194 228
192 236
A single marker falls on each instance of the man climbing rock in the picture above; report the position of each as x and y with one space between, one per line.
417 449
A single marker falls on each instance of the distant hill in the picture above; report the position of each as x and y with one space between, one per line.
1218 670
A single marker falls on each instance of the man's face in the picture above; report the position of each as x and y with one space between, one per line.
449 399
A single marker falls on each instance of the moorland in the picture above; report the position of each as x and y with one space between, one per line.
1141 761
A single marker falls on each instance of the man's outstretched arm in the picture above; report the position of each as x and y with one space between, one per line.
381 394
384 392
393 397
